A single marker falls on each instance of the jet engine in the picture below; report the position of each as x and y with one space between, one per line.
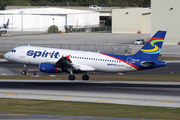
49 68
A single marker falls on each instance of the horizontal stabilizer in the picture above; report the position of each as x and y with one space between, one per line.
147 63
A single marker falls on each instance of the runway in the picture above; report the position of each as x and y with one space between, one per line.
162 94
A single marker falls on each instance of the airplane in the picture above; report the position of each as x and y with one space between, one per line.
4 27
51 60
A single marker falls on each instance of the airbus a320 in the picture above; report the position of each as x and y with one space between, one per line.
53 60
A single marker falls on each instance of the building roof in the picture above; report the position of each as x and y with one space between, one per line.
49 10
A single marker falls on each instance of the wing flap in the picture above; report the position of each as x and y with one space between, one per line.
83 67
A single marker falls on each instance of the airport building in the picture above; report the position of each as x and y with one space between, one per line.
166 16
131 20
41 18
163 15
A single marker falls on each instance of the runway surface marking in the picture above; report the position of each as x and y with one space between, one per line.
11 114
110 99
59 97
3 73
120 73
161 103
10 94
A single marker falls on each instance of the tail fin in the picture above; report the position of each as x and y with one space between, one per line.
152 48
7 24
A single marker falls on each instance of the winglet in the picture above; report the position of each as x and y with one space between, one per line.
152 48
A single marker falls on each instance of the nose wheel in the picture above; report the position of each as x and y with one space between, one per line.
24 72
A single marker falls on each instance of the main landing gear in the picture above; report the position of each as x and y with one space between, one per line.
72 77
84 77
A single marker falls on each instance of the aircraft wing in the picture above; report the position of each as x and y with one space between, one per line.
65 62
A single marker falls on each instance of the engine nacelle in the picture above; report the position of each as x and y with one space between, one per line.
49 68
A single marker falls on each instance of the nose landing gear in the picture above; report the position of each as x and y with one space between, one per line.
24 71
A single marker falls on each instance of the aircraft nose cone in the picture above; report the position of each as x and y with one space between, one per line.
6 56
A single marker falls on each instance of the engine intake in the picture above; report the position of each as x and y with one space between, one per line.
49 68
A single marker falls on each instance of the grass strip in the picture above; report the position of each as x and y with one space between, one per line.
157 78
86 109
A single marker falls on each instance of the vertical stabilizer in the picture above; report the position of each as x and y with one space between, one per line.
152 48
7 24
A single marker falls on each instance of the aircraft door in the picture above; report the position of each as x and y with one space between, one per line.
22 53
129 60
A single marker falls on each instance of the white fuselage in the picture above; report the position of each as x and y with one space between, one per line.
37 55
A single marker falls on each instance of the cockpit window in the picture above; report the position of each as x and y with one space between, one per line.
13 51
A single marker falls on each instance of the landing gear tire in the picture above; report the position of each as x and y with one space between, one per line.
71 77
24 72
85 77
